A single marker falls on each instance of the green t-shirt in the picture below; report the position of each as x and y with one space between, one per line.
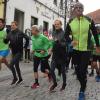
93 41
3 35
39 43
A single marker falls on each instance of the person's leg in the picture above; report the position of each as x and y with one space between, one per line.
11 66
63 76
53 65
81 69
36 62
99 66
4 60
25 55
45 67
92 69
85 56
0 62
3 55
99 70
28 55
18 70
59 69
17 59
68 61
72 60
95 65
76 61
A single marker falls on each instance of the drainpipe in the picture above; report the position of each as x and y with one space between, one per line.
65 14
5 9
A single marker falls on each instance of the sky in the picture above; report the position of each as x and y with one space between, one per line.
90 5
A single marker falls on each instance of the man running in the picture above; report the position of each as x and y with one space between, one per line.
40 47
4 48
80 27
15 37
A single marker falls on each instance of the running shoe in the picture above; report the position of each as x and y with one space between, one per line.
91 74
19 81
81 96
63 87
53 87
14 81
97 78
35 85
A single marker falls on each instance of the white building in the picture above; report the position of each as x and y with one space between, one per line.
29 12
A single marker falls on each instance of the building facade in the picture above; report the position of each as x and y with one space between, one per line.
1 9
30 12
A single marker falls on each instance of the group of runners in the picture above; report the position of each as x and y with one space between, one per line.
81 35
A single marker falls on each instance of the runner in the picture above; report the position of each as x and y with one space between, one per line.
4 48
59 54
96 59
40 47
15 37
80 27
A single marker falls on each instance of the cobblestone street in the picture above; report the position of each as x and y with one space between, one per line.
24 92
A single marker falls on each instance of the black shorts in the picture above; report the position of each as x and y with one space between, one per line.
41 61
96 58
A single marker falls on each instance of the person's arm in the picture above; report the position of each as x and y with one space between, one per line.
7 39
47 44
26 40
95 34
96 38
67 33
33 48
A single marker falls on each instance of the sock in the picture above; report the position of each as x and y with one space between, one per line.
36 80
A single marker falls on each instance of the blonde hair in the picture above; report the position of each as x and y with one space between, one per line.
58 20
35 27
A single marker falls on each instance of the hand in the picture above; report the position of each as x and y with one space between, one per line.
50 51
42 52
25 49
74 43
98 49
32 52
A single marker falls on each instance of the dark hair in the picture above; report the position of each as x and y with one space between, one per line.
2 20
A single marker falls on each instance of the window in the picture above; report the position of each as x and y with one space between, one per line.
45 26
19 17
34 21
55 2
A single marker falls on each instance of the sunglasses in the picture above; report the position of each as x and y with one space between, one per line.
78 7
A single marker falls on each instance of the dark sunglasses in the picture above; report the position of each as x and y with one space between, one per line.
78 7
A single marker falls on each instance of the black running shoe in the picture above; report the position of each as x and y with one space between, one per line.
14 81
91 74
19 81
53 87
63 87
